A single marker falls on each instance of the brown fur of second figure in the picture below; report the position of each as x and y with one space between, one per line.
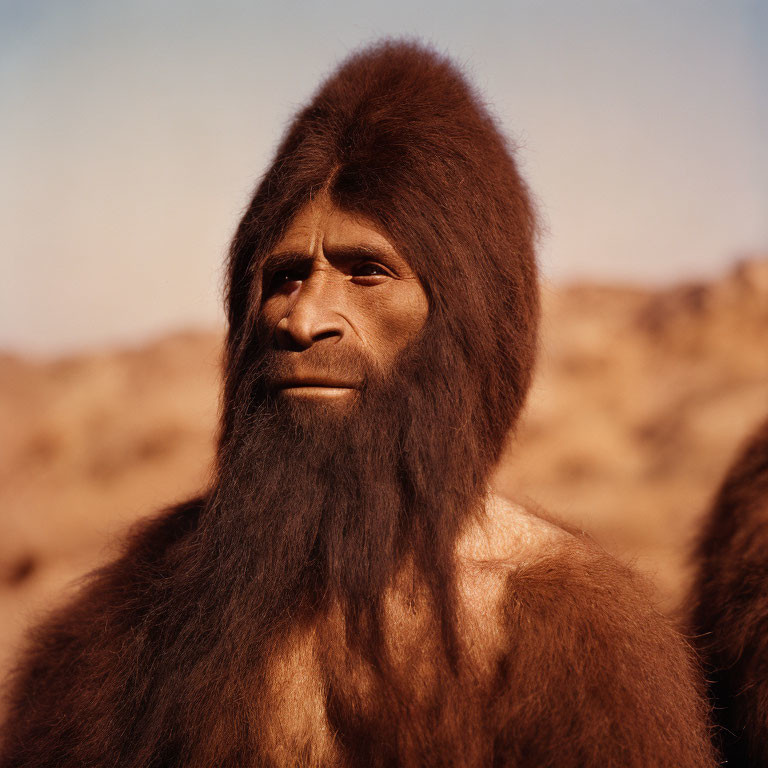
348 592
730 599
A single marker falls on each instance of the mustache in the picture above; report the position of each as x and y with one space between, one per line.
334 365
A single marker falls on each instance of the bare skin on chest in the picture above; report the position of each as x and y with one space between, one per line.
313 659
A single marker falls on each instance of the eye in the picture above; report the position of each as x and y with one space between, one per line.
279 279
369 273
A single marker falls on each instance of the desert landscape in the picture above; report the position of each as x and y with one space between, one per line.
641 399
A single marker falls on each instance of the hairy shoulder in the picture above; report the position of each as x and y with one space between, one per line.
580 651
524 577
527 567
593 670
80 663
145 560
110 602
511 561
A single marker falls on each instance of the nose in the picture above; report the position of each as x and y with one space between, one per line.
312 316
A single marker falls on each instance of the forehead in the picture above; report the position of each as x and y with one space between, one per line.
322 226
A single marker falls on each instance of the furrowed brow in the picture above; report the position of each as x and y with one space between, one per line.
284 260
387 255
365 251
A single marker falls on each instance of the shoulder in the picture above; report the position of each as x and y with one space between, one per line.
536 578
71 657
506 534
526 543
541 560
581 649
519 568
145 559
588 663
111 597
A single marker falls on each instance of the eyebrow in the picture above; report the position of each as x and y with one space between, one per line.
292 259
364 250
284 260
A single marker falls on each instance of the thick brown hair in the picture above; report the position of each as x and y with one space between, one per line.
172 644
398 135
730 605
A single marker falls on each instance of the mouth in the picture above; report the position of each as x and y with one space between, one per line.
314 387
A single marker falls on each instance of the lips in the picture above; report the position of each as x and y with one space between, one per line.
329 382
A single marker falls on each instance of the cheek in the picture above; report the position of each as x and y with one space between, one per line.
272 311
392 319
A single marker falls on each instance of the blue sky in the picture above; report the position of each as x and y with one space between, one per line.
131 134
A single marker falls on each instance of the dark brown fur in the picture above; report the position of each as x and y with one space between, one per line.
311 608
730 616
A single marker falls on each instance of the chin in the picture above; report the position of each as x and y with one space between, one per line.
319 406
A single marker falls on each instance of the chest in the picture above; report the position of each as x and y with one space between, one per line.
325 704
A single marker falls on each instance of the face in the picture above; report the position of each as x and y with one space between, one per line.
337 300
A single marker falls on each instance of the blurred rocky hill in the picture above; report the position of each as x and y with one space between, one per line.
641 398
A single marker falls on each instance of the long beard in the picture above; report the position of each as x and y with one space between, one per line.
319 503
311 508
313 493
